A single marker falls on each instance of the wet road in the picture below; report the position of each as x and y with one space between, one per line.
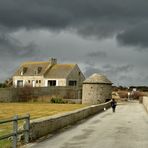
127 128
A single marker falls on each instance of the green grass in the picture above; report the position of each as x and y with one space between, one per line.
5 144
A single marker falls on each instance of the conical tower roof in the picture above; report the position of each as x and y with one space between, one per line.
97 79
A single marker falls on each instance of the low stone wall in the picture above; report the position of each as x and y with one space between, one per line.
8 95
145 102
44 126
18 94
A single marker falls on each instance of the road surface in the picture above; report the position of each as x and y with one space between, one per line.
126 128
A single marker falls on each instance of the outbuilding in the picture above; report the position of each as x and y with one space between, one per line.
97 89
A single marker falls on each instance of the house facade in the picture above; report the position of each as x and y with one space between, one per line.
48 73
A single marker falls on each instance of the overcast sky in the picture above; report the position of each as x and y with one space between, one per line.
101 36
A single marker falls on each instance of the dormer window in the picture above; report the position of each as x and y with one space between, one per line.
21 73
39 69
24 70
35 72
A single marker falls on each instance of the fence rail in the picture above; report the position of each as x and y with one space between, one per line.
17 132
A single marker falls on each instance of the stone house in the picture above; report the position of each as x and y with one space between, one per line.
48 73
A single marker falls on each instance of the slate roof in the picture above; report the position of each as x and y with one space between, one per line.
31 67
97 78
47 70
59 71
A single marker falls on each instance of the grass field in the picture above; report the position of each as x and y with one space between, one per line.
36 110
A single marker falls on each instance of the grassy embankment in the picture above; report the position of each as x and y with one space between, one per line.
36 110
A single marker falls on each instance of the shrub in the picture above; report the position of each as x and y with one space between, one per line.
57 100
137 94
3 85
123 94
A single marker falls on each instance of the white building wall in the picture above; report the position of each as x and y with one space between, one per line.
61 82
34 80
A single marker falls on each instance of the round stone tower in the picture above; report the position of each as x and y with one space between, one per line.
96 89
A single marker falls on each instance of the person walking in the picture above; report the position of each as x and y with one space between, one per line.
113 105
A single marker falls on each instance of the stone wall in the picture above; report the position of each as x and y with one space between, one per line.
14 94
44 126
145 102
8 95
96 93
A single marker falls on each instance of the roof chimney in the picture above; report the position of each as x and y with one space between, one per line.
52 61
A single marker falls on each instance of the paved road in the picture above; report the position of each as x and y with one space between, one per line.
127 128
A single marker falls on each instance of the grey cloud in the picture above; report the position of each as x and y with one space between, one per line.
89 70
119 74
100 18
97 54
135 36
116 73
10 47
117 69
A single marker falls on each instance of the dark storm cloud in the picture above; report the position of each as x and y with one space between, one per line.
10 47
13 52
100 18
136 35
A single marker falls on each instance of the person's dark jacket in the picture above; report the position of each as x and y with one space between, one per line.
113 103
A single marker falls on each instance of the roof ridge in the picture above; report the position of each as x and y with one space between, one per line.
65 64
34 62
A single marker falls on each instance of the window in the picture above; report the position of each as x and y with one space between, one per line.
51 82
25 69
35 72
39 69
72 83
36 81
21 73
20 83
39 81
28 81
